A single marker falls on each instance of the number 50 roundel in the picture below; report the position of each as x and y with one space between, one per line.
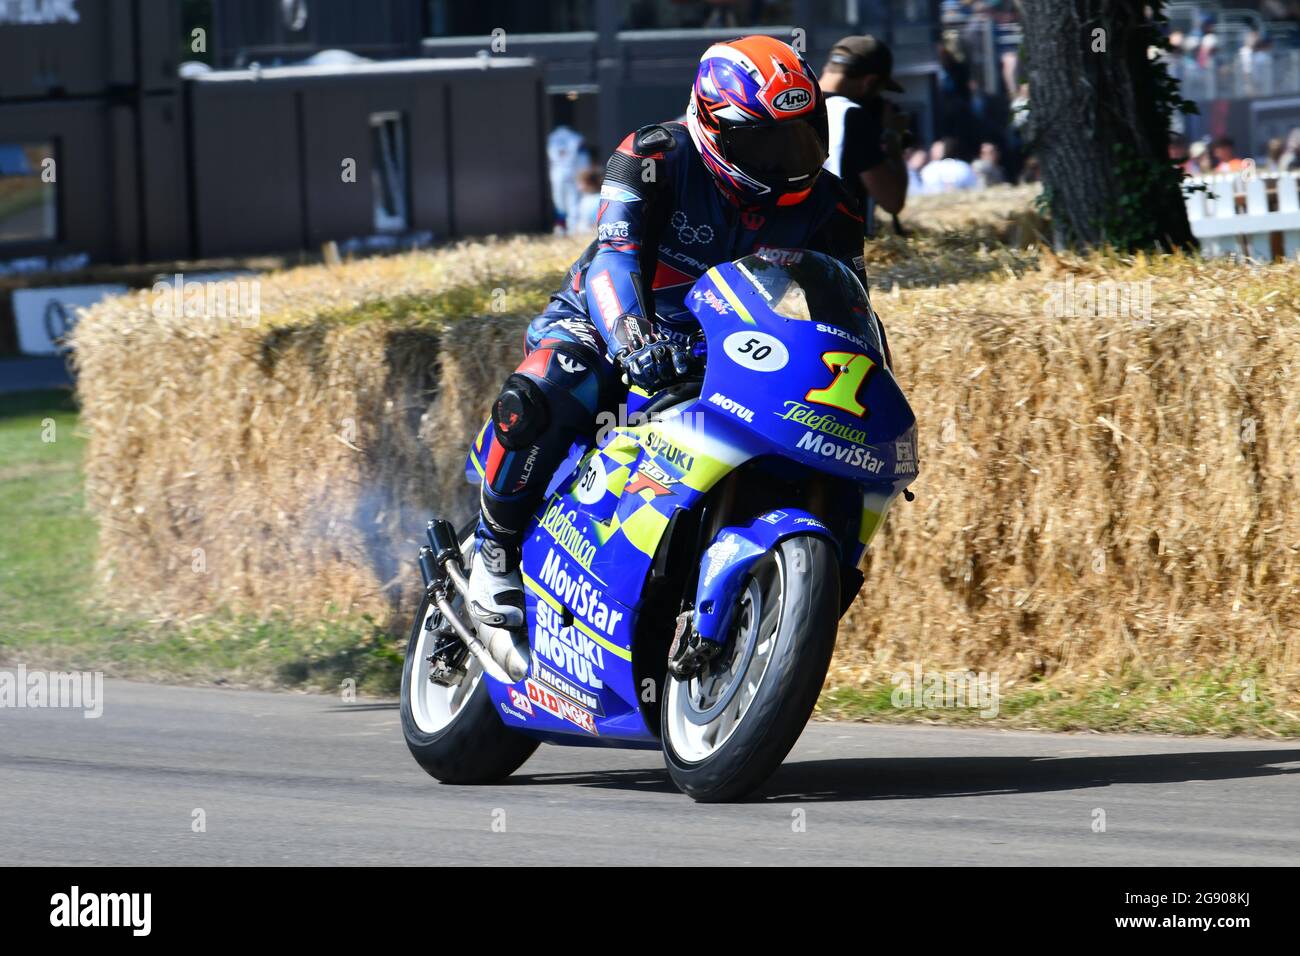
756 350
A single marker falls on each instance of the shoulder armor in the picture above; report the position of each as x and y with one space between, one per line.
652 139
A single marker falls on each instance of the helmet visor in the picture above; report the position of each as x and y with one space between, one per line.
785 154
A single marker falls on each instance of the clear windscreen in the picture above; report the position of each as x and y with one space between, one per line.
812 287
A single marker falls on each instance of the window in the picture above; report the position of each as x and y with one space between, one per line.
453 18
389 182
704 14
29 206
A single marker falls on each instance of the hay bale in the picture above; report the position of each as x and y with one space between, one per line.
289 466
1008 214
1096 489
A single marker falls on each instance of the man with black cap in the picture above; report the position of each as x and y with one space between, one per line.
866 130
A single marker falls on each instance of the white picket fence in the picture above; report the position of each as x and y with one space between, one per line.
1233 215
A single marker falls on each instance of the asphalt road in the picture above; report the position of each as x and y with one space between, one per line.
298 779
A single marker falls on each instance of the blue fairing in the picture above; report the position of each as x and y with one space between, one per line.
786 382
778 387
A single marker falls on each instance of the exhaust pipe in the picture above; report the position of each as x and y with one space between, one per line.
506 656
481 653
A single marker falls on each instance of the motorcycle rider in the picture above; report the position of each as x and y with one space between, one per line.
740 176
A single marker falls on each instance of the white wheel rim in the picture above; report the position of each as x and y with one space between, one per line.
433 706
755 629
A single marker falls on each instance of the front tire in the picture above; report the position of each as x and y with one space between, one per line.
725 731
455 733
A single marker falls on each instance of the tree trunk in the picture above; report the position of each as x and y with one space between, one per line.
1099 123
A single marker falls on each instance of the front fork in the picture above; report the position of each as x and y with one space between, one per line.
702 631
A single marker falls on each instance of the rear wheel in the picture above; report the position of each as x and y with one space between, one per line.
454 733
728 728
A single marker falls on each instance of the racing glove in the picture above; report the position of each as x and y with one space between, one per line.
649 360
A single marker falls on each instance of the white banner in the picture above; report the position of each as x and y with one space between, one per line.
43 315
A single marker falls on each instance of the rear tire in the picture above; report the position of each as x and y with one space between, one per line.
455 734
794 651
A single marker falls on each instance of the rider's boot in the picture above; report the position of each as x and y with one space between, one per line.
496 602
544 405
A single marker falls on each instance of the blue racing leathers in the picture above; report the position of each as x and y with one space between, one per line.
663 223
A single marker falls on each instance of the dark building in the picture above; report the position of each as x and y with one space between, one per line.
610 65
83 88
622 64
287 31
381 150
302 121
110 152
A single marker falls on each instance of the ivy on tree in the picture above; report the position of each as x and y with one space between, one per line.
1101 102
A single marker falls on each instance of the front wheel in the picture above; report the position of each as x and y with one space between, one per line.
728 728
454 733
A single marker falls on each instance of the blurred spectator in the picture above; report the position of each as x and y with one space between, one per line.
1223 154
1020 108
1192 158
988 168
1178 150
1032 171
945 173
954 71
1256 63
955 112
722 14
566 154
586 206
1247 55
1290 158
1273 156
1198 160
916 158
866 130
1207 52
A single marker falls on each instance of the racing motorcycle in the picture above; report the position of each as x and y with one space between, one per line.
685 577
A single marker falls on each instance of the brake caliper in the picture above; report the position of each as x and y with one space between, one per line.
447 662
689 652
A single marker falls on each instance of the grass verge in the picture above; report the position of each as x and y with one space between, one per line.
49 616
1228 702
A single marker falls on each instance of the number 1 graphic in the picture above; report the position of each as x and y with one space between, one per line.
851 370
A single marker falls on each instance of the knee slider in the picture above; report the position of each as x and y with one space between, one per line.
520 413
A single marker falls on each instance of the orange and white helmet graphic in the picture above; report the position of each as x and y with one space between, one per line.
758 119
